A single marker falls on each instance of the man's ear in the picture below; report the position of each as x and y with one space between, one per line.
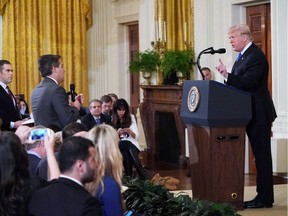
80 164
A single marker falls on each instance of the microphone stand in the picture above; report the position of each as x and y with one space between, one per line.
198 60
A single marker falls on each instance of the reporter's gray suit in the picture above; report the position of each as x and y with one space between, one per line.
50 105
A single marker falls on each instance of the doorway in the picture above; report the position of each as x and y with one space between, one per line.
134 78
259 21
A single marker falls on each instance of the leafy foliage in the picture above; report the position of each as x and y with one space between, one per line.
147 199
177 60
148 61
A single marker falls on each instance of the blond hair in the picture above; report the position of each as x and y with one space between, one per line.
243 29
108 156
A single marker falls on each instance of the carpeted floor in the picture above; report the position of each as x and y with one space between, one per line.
280 204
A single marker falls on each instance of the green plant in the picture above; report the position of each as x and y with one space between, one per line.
144 198
177 60
148 60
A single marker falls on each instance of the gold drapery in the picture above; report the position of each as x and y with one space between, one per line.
176 17
31 28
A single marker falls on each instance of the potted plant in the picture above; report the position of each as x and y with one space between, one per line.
146 62
145 198
179 62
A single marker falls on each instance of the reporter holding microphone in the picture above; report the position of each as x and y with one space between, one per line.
49 100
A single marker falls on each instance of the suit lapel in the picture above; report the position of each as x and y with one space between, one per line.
9 101
236 69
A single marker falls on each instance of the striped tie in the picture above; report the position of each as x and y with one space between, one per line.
10 94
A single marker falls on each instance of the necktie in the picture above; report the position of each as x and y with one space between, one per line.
97 121
10 94
239 57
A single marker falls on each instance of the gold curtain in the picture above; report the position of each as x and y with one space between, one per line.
178 18
31 28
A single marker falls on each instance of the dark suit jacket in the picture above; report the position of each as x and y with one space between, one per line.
250 74
64 197
50 105
33 163
89 121
8 111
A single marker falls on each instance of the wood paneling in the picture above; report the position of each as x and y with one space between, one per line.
134 78
217 164
161 99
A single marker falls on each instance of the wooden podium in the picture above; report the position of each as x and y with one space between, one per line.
216 116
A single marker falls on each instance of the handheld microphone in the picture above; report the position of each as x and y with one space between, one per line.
72 90
212 51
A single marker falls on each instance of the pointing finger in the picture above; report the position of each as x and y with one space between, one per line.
221 61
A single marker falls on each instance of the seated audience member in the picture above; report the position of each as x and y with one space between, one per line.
24 109
16 185
114 97
207 73
106 105
126 126
35 150
95 117
107 186
66 195
68 131
83 109
72 129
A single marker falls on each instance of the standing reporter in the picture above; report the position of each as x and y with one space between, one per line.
50 104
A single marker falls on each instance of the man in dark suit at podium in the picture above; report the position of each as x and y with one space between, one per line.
250 73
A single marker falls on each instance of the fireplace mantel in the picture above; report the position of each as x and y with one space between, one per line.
161 99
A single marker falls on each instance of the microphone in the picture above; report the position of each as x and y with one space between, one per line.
206 51
72 90
212 51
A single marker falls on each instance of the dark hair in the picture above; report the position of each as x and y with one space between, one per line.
2 62
72 128
72 149
27 107
126 120
113 95
46 63
13 173
205 68
106 98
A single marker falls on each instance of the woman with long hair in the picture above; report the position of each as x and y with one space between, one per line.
14 174
107 184
125 124
16 185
